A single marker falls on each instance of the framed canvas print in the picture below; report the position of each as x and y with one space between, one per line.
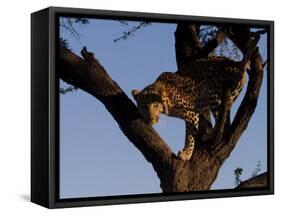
139 107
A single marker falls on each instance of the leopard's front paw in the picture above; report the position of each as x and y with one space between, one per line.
185 155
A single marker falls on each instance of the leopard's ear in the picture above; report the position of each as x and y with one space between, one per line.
135 93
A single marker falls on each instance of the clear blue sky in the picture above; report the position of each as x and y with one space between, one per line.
96 159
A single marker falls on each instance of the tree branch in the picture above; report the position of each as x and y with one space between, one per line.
254 182
249 102
89 75
224 108
222 119
204 51
239 35
188 45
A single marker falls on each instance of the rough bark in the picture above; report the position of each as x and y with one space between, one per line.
175 175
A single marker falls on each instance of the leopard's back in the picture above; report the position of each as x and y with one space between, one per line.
212 69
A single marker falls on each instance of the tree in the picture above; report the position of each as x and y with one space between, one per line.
175 175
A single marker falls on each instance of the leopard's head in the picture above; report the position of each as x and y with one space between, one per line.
149 104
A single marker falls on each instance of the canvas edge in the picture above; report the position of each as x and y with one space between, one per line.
53 202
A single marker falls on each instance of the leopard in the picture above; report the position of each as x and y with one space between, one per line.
200 85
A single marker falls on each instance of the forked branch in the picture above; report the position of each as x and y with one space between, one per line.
188 45
89 75
249 102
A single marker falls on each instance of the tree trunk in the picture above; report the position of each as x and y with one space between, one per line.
175 175
196 174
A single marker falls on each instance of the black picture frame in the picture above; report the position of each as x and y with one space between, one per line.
45 115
